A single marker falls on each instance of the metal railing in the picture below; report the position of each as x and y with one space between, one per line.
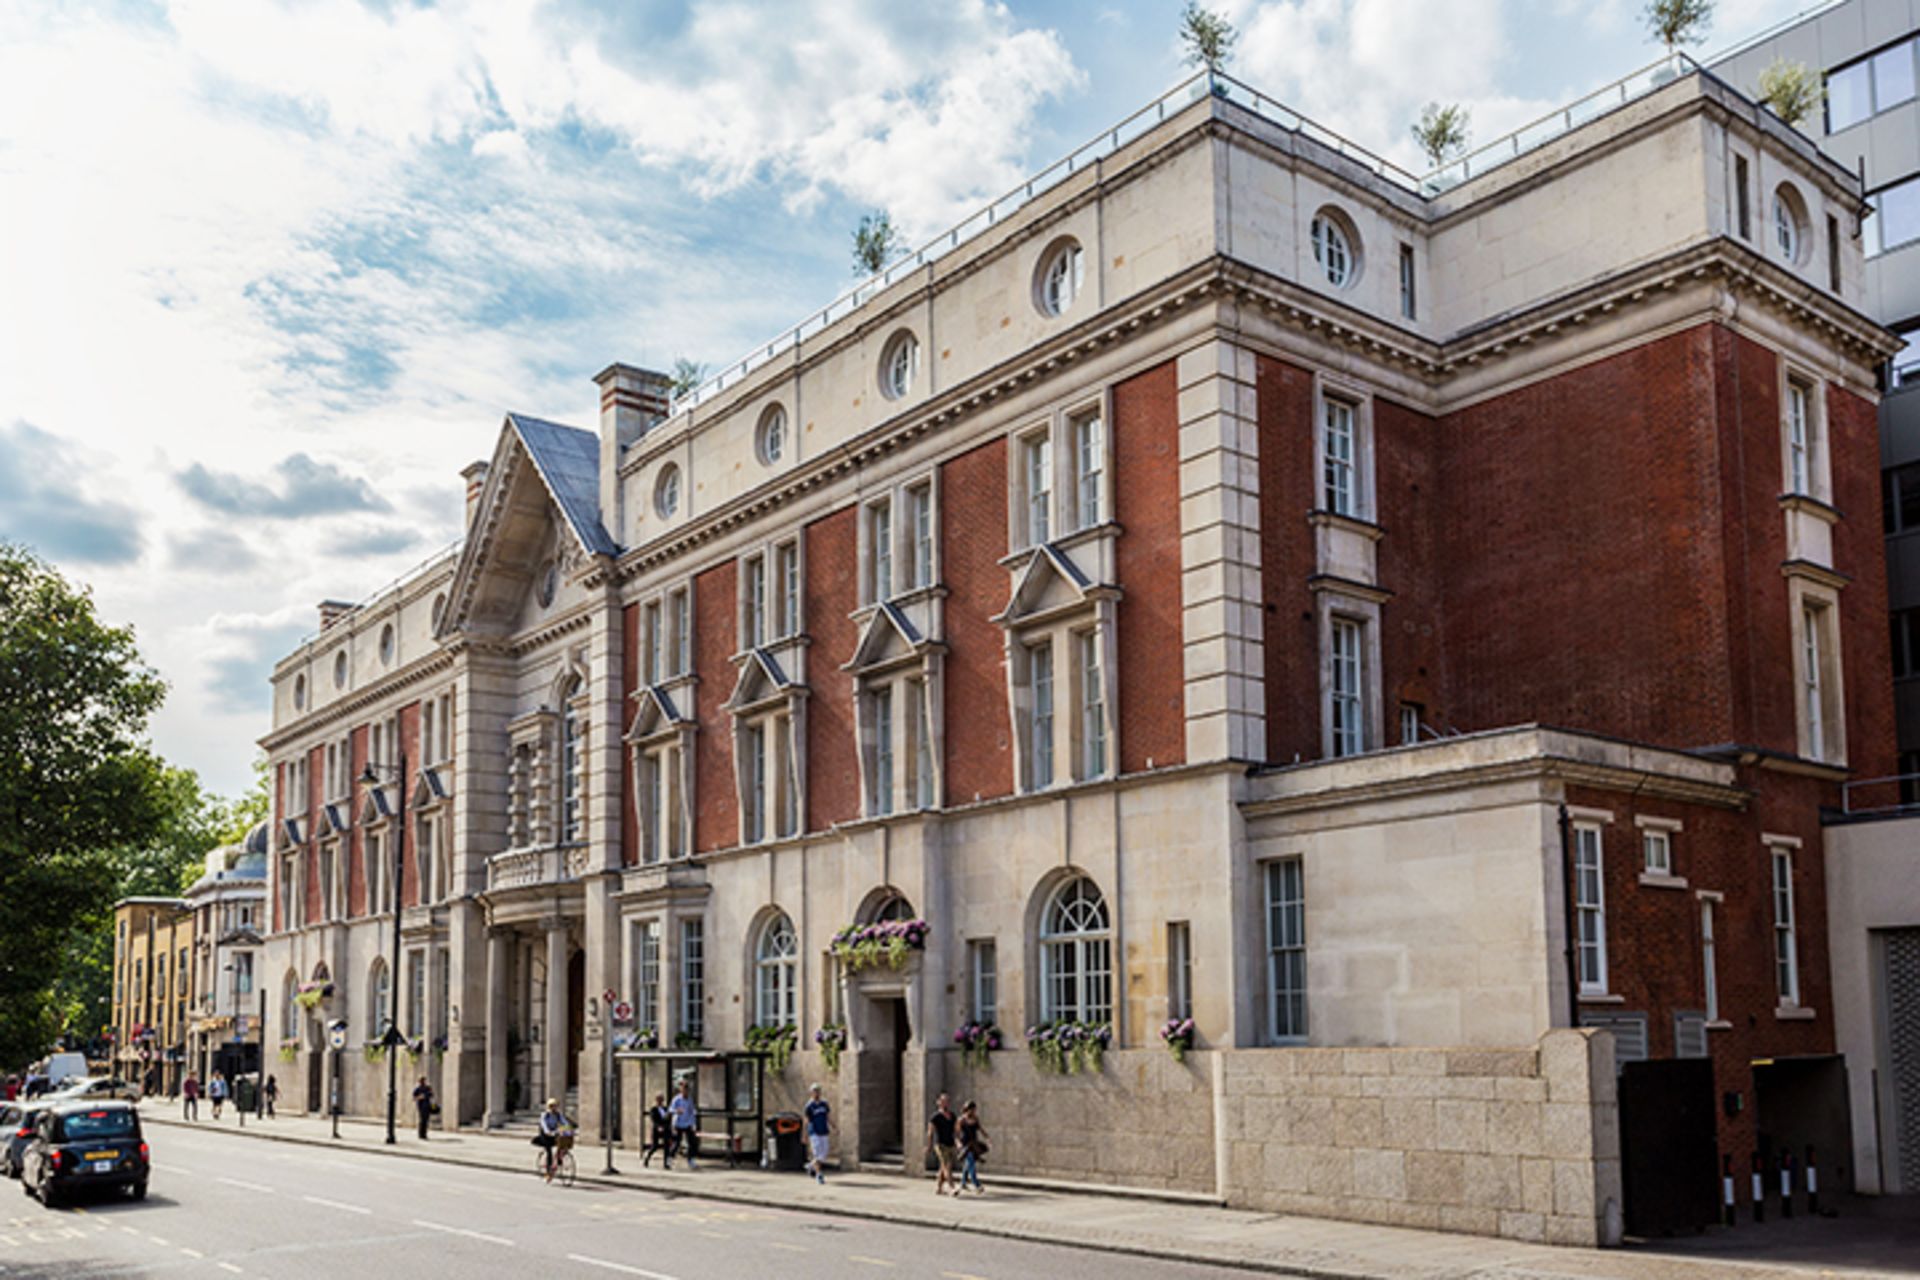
1899 791
1194 88
1538 133
433 561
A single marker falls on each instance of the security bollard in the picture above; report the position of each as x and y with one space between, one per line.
1759 1189
1786 1184
1813 1185
1726 1187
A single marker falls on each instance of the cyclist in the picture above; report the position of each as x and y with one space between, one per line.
556 1133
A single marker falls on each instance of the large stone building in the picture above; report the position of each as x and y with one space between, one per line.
1868 55
152 990
229 903
1389 620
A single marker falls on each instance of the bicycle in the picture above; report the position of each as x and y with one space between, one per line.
562 1160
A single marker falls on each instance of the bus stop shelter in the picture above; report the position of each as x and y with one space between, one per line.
727 1093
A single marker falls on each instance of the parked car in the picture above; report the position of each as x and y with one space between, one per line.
79 1145
62 1068
98 1087
16 1130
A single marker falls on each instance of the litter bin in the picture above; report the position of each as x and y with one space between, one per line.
784 1140
246 1096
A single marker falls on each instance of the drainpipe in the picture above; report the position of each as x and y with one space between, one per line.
1566 894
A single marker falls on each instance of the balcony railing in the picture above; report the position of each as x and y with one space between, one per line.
523 868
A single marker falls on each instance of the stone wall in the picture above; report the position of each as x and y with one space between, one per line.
1521 1143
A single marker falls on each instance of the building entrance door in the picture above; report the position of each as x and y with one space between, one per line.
1902 951
576 1016
1668 1146
883 1086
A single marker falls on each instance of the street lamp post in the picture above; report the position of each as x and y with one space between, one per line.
240 1043
370 779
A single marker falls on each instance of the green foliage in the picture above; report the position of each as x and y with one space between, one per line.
1207 37
686 1040
832 1039
1066 1047
876 242
687 374
1791 90
776 1042
1677 22
1441 131
77 780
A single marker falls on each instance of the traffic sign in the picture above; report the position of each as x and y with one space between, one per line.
337 1035
622 1013
612 995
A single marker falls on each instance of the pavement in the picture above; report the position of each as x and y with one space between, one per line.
1187 1230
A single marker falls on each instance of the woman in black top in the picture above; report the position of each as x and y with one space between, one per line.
422 1103
973 1145
660 1135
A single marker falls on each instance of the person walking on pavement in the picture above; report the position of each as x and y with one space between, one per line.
819 1133
973 1145
686 1122
659 1132
272 1095
423 1103
217 1092
190 1097
940 1137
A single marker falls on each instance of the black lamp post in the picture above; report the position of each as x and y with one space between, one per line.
392 1039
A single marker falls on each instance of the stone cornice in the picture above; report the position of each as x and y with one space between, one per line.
357 702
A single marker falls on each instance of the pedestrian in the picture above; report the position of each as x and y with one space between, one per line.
13 1088
272 1095
940 1136
423 1103
659 1132
973 1145
190 1097
686 1124
819 1133
217 1092
556 1134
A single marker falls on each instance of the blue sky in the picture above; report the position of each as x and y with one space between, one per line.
275 269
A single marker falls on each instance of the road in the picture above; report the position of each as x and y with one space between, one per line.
225 1206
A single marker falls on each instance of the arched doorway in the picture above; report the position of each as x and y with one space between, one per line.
576 1015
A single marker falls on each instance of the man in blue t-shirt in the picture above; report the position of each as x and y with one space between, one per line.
686 1121
819 1126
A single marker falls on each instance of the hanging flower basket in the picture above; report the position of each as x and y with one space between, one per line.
888 942
439 1046
289 1050
644 1038
373 1051
832 1040
976 1041
414 1049
311 994
777 1042
686 1040
1067 1047
1178 1035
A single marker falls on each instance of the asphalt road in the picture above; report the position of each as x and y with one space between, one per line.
227 1206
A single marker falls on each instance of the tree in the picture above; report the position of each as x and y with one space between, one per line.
77 780
876 242
1791 90
1207 36
687 374
1677 22
1441 131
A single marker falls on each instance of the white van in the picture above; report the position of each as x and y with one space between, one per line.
62 1067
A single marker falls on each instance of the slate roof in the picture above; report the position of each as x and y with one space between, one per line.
568 460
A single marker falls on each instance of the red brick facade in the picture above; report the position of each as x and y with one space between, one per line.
1151 714
716 810
832 591
973 538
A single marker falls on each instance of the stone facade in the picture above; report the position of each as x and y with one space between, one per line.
1164 605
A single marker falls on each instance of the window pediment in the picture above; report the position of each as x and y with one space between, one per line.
339 816
377 807
655 714
292 833
889 638
762 680
432 789
1049 584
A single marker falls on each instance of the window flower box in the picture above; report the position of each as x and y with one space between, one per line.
1178 1033
976 1041
1067 1047
888 942
832 1040
777 1042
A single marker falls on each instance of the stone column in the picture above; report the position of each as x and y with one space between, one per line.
499 975
554 1033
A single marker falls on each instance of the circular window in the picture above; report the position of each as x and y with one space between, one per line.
386 645
666 491
300 693
1789 224
898 365
773 434
549 583
1336 248
1058 281
340 669
439 610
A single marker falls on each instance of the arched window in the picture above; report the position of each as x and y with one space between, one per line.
572 763
776 973
895 907
380 1000
1076 954
290 1007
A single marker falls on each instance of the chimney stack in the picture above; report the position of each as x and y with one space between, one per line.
331 611
475 474
632 403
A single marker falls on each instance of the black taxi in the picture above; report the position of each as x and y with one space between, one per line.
82 1144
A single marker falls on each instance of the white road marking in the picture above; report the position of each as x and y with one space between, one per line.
335 1204
617 1266
192 1253
157 1240
244 1185
228 1266
791 1248
872 1262
461 1231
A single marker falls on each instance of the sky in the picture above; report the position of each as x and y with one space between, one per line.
271 272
